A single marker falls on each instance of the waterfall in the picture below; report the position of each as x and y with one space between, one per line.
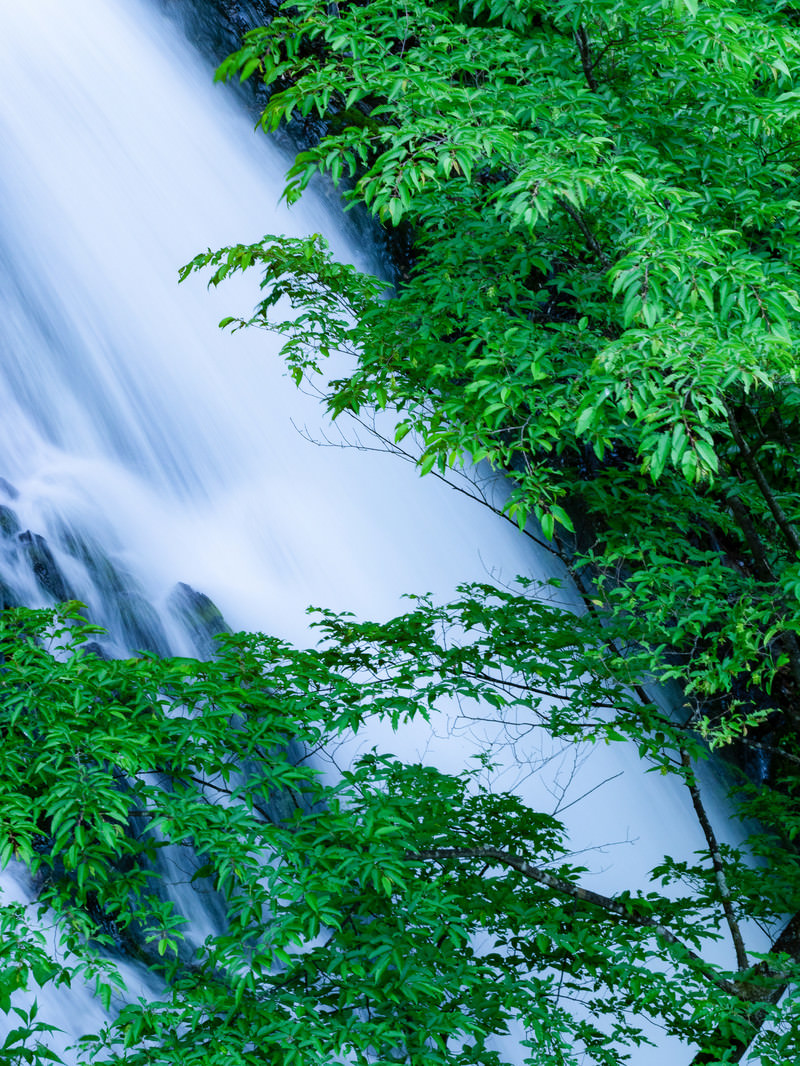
141 447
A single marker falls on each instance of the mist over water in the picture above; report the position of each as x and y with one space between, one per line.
124 404
145 447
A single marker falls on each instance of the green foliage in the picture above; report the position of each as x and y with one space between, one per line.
396 915
602 293
600 299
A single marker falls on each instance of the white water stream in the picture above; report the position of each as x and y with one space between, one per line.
131 422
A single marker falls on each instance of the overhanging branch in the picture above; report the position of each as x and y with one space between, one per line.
497 856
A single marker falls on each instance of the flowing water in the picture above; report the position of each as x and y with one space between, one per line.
141 447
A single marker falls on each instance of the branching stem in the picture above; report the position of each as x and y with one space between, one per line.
607 903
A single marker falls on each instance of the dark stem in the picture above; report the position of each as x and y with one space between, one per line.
589 237
607 903
763 571
761 567
582 41
787 943
777 512
742 962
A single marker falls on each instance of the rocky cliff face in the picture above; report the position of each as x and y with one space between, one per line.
216 26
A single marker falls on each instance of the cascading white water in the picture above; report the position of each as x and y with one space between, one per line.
136 433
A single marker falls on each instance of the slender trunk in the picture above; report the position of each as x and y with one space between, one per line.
723 889
761 567
788 642
788 943
582 41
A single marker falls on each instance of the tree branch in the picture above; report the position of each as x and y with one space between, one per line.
742 962
589 237
782 522
770 749
787 943
607 903
582 41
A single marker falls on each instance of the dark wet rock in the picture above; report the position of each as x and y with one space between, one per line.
76 546
140 626
9 523
8 489
106 578
93 648
44 567
127 614
200 616
8 598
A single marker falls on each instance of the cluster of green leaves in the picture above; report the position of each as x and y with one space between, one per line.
599 198
398 914
602 203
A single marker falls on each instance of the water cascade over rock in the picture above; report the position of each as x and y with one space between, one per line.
150 466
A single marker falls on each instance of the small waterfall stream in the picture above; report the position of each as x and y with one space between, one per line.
141 447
